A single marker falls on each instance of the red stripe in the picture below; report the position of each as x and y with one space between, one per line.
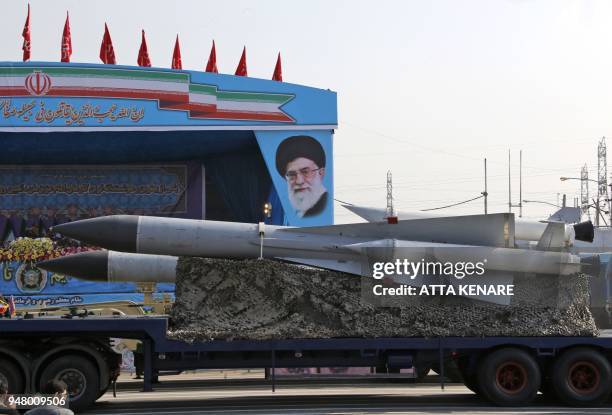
192 106
13 91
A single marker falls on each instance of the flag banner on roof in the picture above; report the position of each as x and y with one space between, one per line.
170 91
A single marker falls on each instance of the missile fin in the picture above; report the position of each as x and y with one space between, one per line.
553 238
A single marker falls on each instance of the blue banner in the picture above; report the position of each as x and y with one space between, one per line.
24 278
34 198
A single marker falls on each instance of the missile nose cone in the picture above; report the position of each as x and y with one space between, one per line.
91 266
117 232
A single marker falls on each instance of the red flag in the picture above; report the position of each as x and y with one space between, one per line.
241 70
66 41
176 56
211 66
143 52
107 52
278 70
11 306
26 37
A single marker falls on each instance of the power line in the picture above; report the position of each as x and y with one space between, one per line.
454 204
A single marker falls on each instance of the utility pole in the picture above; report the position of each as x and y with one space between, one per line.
509 185
584 191
520 184
520 203
602 177
390 213
485 193
610 204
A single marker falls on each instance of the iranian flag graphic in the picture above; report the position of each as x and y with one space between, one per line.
172 91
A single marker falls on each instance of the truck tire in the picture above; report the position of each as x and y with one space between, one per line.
12 376
102 392
509 377
582 376
79 374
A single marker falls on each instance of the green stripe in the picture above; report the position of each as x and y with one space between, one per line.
253 97
95 72
203 89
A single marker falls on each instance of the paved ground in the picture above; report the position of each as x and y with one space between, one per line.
221 393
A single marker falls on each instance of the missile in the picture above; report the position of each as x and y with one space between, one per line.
152 244
349 248
113 266
525 230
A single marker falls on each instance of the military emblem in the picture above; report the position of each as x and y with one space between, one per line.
38 83
30 279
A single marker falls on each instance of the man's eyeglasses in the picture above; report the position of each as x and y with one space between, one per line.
306 173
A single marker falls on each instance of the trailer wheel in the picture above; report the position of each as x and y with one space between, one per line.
509 377
582 377
79 374
11 376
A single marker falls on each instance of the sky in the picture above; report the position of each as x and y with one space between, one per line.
426 89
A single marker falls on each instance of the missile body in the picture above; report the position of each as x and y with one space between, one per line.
113 266
171 236
494 259
348 248
525 230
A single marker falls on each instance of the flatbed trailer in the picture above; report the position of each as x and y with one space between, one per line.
507 371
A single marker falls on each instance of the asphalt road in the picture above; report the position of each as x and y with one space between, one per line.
253 396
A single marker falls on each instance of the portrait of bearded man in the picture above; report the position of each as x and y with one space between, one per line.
300 160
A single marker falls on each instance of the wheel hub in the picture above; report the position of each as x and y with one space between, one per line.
584 377
75 381
511 377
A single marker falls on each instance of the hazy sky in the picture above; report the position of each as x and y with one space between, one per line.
425 88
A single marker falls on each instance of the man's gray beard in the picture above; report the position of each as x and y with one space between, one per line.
303 201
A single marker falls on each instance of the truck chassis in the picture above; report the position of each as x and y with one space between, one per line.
507 371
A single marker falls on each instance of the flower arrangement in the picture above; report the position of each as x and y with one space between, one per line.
39 249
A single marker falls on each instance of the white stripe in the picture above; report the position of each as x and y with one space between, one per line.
12 81
93 82
64 81
202 98
247 106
